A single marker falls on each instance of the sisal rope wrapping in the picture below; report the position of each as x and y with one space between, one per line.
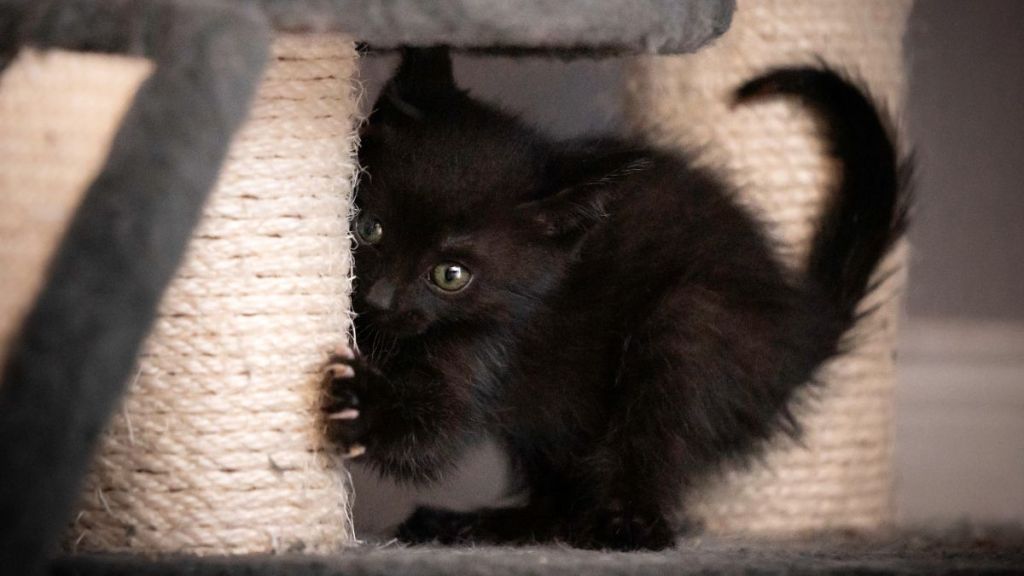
217 448
840 475
58 114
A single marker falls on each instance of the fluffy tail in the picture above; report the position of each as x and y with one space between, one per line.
867 211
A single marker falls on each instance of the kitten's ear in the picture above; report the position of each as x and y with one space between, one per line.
425 73
586 195
570 213
423 81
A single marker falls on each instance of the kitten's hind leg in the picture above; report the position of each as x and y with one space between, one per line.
702 381
513 525
635 475
627 512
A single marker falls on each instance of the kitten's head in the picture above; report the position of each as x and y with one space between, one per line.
463 212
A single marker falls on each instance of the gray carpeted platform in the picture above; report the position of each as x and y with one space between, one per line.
646 26
959 550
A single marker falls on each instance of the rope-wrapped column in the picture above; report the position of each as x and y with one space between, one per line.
218 447
840 474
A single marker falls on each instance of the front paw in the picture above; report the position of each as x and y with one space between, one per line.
348 405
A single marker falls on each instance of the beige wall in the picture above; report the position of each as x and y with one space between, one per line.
966 115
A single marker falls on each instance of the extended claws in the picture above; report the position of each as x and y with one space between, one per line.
346 414
354 451
340 370
342 409
345 351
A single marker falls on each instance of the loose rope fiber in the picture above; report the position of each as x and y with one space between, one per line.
217 448
58 114
840 474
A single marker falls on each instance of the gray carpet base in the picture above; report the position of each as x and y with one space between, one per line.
957 550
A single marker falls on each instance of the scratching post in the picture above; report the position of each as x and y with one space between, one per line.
217 449
840 475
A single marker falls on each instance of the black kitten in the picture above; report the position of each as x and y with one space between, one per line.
603 309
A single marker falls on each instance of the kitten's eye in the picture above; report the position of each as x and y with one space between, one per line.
368 228
450 277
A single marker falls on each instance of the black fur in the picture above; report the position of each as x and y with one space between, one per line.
627 328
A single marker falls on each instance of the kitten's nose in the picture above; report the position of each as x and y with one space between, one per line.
381 294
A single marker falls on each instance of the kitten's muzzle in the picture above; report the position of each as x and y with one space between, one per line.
396 324
379 307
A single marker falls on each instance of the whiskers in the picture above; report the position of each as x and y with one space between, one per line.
382 347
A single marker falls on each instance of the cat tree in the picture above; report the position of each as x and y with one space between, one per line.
215 449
